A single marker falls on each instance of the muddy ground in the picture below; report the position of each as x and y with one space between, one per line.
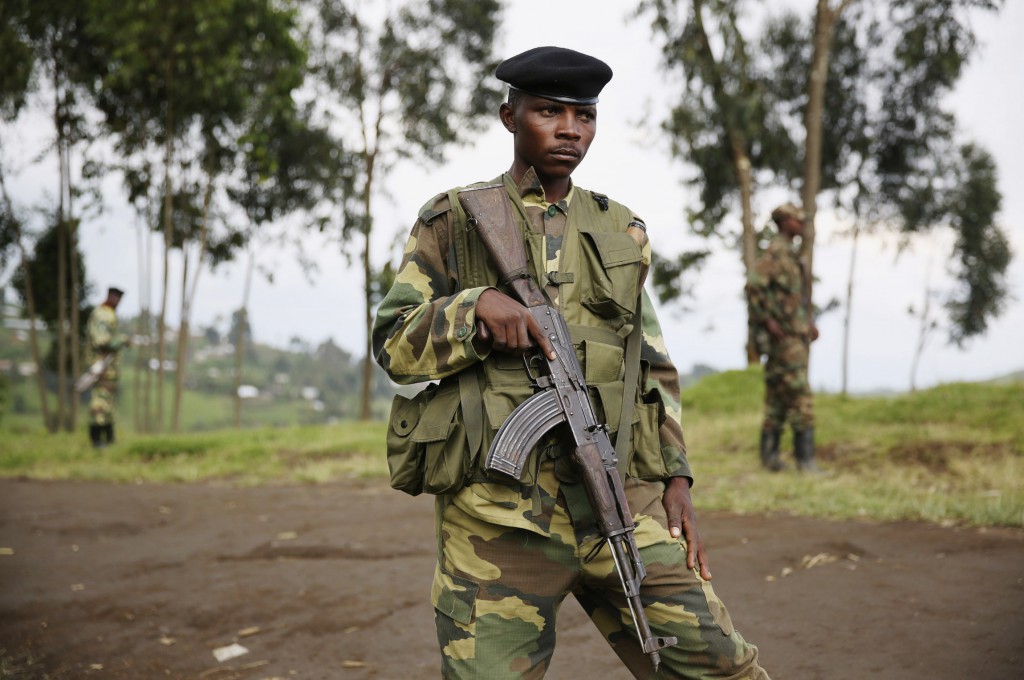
131 582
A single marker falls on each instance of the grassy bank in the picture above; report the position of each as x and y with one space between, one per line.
951 454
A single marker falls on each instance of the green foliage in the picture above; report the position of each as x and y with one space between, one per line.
44 264
671 276
16 57
982 250
889 152
727 102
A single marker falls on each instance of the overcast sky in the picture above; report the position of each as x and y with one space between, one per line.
630 162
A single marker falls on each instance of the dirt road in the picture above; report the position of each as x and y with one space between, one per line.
132 582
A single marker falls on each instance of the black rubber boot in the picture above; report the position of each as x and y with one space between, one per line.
95 432
803 448
108 430
770 458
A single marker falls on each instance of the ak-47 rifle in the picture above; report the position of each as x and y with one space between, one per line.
563 399
94 372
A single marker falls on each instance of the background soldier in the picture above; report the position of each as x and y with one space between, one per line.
104 345
510 551
780 305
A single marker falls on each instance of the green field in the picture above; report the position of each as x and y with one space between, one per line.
951 454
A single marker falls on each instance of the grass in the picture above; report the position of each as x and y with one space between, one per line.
307 454
953 454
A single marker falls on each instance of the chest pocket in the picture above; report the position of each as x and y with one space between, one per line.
611 273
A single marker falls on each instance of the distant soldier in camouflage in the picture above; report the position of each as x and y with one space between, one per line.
510 551
780 310
104 343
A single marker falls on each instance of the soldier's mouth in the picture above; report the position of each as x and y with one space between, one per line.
566 153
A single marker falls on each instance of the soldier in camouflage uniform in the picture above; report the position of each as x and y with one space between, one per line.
780 308
510 551
104 342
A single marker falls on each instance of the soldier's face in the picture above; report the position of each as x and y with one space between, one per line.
792 226
550 136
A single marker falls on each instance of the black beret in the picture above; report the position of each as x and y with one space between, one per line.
556 73
787 210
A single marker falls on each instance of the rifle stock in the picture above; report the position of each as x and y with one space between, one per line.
563 399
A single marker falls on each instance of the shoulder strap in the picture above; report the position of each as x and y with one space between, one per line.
633 342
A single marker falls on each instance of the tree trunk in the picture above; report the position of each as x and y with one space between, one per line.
62 318
30 303
367 391
746 183
740 161
188 295
148 375
168 226
179 374
824 27
140 327
75 293
849 311
925 329
60 332
76 298
243 321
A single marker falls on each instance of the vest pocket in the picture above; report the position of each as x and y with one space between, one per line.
610 278
427 446
648 461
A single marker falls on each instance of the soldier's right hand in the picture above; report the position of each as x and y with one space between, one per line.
508 325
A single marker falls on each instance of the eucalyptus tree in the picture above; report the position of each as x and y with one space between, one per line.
288 165
46 50
723 123
398 83
11 238
891 155
16 62
849 102
186 81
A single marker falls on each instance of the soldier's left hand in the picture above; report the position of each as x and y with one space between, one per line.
682 521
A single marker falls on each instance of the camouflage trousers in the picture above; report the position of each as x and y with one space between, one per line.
102 402
787 392
497 591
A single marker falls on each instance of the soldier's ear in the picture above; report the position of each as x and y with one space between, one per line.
508 117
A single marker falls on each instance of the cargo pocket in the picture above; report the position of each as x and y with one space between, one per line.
610 279
405 457
454 596
647 460
602 362
427 447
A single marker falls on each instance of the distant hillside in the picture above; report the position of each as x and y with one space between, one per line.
1015 377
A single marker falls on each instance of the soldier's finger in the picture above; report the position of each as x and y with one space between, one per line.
522 335
543 341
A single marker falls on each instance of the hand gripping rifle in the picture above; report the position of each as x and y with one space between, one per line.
563 399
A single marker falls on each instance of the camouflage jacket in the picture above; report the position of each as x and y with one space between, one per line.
104 337
776 289
425 326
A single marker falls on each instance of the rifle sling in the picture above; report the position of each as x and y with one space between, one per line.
470 393
633 342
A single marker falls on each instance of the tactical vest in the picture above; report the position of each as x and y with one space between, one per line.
599 287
